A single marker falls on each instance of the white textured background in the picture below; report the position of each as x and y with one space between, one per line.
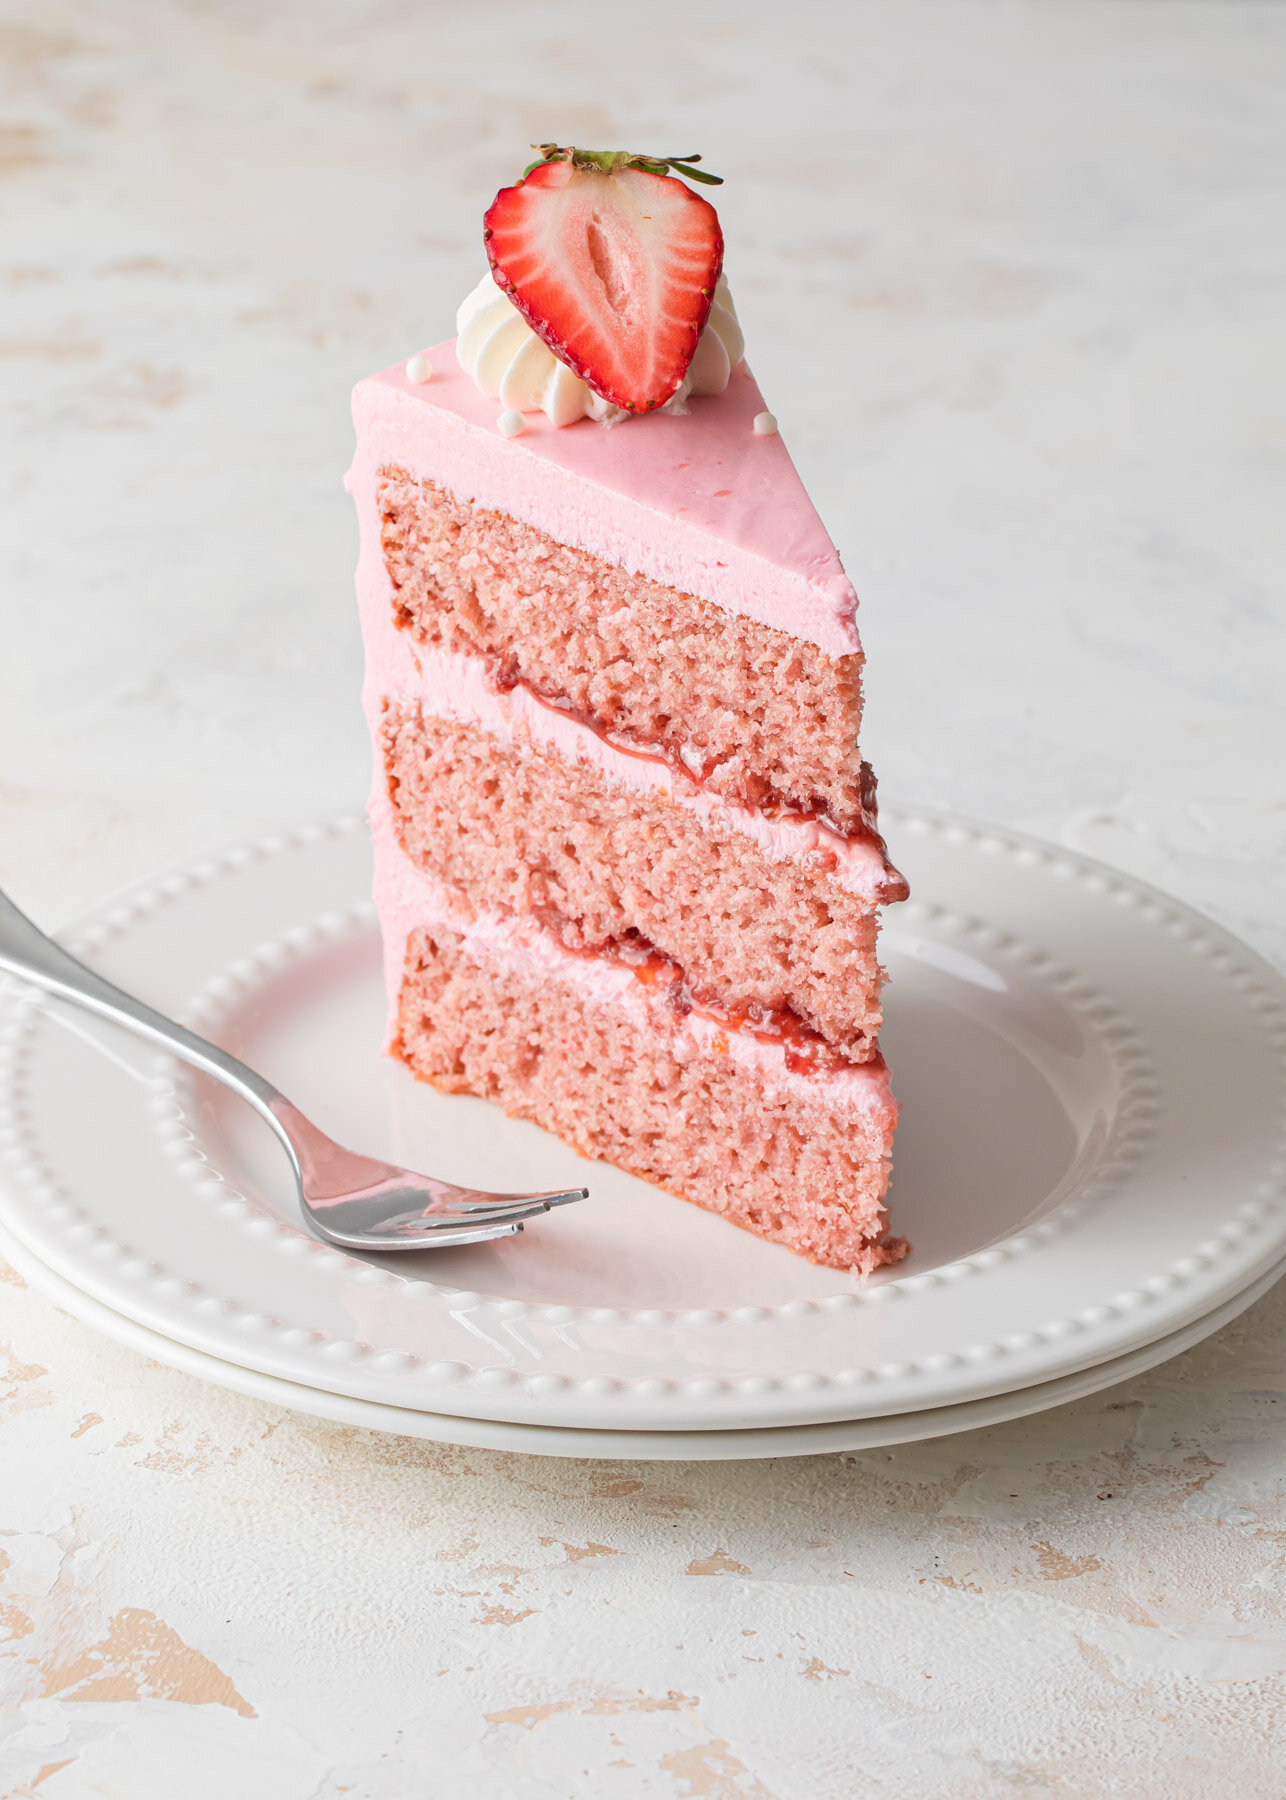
1014 279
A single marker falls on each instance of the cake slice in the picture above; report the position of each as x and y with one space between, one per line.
627 859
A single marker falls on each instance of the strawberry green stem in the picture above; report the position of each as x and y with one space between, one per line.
607 162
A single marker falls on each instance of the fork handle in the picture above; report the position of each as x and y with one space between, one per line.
26 952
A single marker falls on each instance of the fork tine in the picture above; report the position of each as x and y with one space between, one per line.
566 1197
392 1239
348 1221
429 1224
498 1204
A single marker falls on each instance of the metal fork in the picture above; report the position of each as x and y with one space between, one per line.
348 1199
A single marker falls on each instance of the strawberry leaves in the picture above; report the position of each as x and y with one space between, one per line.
611 160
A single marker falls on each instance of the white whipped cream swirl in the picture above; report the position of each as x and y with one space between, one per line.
497 347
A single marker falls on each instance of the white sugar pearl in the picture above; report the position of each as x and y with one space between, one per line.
765 425
419 369
511 423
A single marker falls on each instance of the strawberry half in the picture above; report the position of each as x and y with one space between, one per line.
613 263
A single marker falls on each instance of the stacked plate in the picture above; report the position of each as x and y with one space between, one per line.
1092 1080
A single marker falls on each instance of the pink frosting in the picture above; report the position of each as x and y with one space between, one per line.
698 501
407 899
455 686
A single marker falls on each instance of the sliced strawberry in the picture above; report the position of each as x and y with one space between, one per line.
614 269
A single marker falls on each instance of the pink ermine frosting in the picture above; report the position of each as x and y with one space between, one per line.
699 501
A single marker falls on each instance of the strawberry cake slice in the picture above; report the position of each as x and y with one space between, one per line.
628 868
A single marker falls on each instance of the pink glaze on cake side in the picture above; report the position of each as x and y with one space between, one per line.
698 502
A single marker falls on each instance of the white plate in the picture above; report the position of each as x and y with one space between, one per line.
638 1446
1092 1083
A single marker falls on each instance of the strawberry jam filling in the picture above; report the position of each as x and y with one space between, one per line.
689 767
806 1051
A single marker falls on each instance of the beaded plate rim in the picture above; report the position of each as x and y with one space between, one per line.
28 1188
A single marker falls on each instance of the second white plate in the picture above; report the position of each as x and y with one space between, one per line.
639 1446
1092 1085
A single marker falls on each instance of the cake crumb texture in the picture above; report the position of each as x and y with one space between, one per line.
513 828
699 1125
765 719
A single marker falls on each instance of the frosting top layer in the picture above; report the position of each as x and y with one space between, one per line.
698 502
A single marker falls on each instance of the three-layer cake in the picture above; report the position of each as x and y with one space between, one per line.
627 864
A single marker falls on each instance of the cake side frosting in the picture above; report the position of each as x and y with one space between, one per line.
698 502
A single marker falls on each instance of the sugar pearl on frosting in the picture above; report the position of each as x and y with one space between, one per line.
419 369
765 425
511 423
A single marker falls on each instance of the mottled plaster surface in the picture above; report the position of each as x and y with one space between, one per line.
1016 293
1087 1603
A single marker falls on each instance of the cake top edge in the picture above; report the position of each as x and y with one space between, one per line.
719 502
